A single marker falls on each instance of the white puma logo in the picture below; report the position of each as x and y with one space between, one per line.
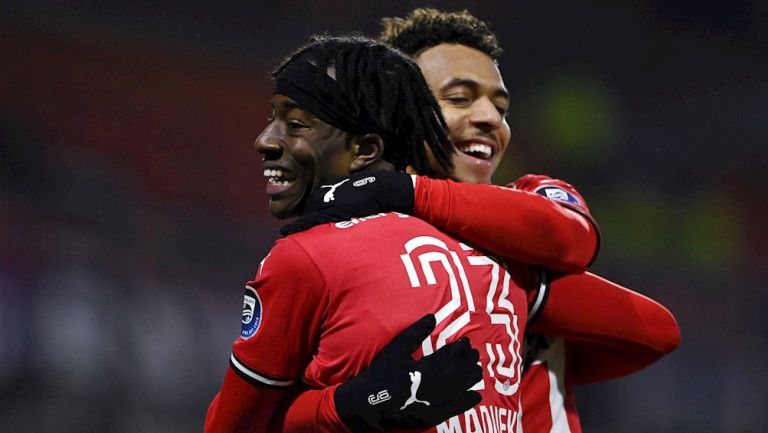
415 382
329 195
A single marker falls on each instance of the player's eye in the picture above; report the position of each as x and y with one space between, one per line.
295 125
458 100
502 105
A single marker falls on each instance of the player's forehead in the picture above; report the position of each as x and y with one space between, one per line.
445 64
283 104
284 107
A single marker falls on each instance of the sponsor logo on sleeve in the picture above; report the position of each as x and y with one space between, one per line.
251 313
558 194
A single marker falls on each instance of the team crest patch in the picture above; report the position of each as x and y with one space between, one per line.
558 194
251 313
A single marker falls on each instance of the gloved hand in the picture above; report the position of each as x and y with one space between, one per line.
359 195
396 392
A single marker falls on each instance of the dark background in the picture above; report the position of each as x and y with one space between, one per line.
132 207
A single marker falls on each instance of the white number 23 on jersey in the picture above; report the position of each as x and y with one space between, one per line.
504 360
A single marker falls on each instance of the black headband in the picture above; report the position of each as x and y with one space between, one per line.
299 81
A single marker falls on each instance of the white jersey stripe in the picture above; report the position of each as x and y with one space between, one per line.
256 376
556 372
541 295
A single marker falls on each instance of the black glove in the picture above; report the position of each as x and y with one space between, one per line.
396 392
359 195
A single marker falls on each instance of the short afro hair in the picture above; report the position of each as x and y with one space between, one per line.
425 28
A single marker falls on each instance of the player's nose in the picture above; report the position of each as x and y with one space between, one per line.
485 115
269 143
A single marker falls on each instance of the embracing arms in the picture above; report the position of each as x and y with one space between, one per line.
536 220
612 331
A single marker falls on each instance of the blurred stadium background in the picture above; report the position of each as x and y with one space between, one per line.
132 207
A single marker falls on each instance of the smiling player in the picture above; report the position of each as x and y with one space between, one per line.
614 331
333 301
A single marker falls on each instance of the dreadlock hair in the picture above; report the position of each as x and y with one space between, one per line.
385 89
425 28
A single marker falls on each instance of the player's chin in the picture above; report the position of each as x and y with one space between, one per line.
464 173
470 169
285 207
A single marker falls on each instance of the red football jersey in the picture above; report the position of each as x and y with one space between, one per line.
548 398
327 300
626 330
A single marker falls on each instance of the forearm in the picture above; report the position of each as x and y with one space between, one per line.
594 362
621 325
311 411
448 374
518 225
242 407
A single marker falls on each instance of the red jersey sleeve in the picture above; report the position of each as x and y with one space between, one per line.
560 192
312 410
613 331
519 225
282 312
241 407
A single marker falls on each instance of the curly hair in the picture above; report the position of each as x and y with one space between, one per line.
425 28
384 86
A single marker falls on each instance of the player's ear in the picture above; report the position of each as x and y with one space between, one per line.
368 149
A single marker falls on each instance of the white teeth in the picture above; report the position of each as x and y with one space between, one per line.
274 181
483 149
272 172
275 176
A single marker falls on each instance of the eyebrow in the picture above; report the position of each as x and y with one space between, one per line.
472 84
291 105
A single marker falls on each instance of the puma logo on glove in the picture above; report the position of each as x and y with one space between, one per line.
415 382
434 388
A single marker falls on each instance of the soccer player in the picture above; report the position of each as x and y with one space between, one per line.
457 53
328 306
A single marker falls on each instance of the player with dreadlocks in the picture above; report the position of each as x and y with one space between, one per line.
341 307
387 100
613 331
379 94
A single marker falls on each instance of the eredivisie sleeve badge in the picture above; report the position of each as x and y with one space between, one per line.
557 194
251 313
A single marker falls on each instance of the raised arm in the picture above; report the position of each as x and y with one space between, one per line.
537 220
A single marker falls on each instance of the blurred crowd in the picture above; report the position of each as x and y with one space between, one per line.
132 207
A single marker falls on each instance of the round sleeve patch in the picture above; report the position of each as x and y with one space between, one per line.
558 194
251 313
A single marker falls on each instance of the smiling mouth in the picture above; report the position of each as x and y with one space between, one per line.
277 177
477 150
